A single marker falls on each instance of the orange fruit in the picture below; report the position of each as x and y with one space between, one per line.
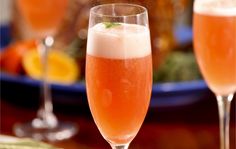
61 67
11 57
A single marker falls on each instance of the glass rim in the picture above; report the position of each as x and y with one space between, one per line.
93 10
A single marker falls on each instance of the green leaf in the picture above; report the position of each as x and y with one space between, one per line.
111 24
178 66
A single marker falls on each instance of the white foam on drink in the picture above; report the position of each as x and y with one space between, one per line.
215 7
119 42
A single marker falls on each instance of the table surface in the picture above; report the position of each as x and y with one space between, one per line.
191 127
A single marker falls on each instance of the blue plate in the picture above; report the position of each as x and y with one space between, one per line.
163 94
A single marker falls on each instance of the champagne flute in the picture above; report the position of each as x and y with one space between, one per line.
215 49
44 17
118 70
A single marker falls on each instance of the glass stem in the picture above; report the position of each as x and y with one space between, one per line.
123 146
45 112
224 117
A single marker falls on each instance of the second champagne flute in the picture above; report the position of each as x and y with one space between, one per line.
118 70
215 49
44 17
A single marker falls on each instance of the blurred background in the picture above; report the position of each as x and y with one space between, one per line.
183 111
170 26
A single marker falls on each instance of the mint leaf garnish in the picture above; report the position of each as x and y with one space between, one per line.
111 24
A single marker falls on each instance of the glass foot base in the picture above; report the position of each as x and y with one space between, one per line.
64 130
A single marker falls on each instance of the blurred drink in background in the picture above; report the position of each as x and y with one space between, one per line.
215 45
43 16
215 49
